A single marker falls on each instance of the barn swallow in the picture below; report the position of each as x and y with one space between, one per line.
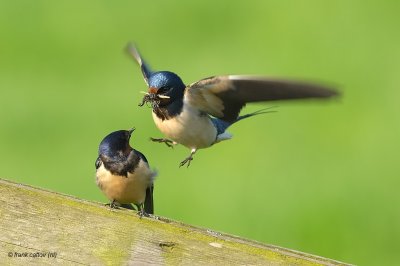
123 173
198 115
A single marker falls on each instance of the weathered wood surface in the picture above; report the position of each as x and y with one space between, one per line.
70 231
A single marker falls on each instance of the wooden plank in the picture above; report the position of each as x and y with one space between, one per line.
63 229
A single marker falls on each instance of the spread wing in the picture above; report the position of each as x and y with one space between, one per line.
132 50
224 96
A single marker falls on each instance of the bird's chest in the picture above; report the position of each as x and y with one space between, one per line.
130 189
188 128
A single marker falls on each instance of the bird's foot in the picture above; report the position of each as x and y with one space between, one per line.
186 161
141 211
113 205
167 142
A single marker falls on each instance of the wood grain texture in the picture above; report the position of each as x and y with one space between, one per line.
36 222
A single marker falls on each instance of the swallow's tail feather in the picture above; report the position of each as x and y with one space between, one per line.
222 125
259 112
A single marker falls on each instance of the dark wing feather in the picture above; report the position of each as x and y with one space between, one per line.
97 163
148 201
141 155
132 50
225 96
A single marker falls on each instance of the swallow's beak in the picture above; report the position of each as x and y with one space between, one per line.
130 131
152 96
153 92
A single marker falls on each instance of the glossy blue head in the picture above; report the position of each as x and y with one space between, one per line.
116 143
168 84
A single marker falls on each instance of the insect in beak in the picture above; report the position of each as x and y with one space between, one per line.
153 99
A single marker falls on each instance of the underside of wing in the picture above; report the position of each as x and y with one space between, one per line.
225 96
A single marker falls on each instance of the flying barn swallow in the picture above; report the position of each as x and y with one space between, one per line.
198 115
123 173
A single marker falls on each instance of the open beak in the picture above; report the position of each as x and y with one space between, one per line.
154 91
152 97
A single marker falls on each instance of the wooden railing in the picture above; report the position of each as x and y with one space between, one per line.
46 228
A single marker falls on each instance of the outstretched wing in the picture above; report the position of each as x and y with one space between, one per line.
224 96
132 50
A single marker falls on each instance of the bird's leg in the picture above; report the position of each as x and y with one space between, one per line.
113 205
188 159
141 211
167 142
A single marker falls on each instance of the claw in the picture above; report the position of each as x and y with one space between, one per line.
113 205
167 142
188 159
141 211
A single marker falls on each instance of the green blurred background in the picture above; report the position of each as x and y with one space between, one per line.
317 177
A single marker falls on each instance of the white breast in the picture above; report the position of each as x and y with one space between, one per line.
130 189
188 128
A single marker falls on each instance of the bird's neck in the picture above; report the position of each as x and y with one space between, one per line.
169 111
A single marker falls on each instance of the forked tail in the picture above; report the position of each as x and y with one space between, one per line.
259 112
222 125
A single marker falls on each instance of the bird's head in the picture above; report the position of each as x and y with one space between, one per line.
164 87
116 144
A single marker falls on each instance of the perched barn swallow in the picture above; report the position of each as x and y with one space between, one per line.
123 173
198 115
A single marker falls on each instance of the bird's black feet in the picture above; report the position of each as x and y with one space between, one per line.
141 211
113 205
167 142
186 161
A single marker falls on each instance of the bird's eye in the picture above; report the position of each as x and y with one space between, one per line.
164 89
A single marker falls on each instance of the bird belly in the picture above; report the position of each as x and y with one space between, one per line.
130 189
189 128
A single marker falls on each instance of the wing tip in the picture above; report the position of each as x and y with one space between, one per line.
330 93
315 89
330 90
149 201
